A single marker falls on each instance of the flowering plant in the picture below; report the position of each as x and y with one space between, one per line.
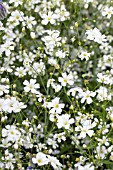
56 85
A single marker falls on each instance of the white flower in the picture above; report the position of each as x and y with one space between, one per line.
52 39
64 121
5 143
52 142
40 97
16 17
16 2
101 152
110 112
84 55
92 33
108 11
111 156
18 106
95 34
103 94
74 90
86 127
40 159
33 35
48 18
60 54
60 136
104 141
62 13
38 67
31 86
3 119
55 105
105 79
1 165
7 47
54 162
9 35
56 87
11 133
30 22
66 79
12 105
8 104
20 71
26 141
81 161
9 160
100 39
86 167
1 26
50 82
53 62
53 116
4 89
86 96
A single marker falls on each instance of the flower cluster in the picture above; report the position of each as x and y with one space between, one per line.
56 85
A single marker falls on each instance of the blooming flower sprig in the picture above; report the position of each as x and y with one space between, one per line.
101 152
64 121
50 17
103 94
9 160
107 11
105 79
110 112
11 104
52 39
66 79
31 86
16 16
4 89
43 159
11 133
16 3
87 96
96 36
7 47
84 55
55 86
87 166
62 13
86 128
55 106
105 61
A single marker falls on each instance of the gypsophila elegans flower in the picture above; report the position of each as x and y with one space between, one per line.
56 84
